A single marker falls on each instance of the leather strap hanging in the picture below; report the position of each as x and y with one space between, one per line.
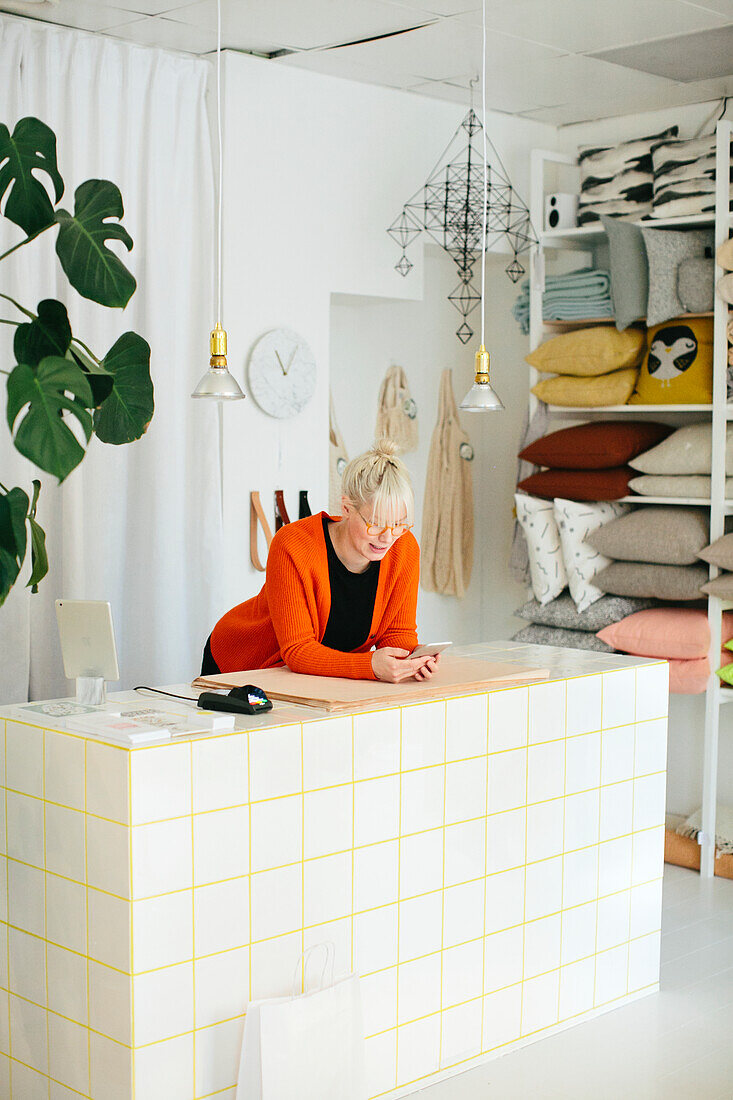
281 512
305 508
257 515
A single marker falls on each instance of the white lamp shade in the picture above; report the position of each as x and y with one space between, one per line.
218 384
481 398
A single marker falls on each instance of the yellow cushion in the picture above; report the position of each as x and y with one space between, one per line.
678 368
606 389
589 351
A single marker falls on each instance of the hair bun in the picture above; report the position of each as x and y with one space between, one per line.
385 448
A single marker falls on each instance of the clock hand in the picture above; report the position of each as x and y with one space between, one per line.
282 368
290 361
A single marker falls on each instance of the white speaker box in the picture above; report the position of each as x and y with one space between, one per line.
561 210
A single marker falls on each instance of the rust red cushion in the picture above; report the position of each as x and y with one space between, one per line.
579 484
597 445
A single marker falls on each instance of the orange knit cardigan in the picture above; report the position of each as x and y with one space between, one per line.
285 623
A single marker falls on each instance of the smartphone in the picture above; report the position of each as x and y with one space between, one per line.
430 649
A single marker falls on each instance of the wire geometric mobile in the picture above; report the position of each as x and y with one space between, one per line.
450 206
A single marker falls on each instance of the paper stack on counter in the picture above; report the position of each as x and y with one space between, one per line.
116 727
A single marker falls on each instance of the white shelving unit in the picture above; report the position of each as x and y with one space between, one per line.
586 239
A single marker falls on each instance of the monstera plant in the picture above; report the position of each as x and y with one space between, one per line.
59 392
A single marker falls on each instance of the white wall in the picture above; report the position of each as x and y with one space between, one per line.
316 168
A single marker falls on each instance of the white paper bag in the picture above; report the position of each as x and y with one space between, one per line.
309 1047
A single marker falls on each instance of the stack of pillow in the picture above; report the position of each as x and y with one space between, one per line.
684 177
720 553
618 179
680 635
679 466
556 530
592 366
654 553
591 461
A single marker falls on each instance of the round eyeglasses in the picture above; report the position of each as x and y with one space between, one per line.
395 529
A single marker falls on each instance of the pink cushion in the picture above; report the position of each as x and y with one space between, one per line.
671 632
689 677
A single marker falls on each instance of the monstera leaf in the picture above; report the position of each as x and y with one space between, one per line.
13 511
91 267
100 380
48 334
39 557
32 146
43 435
128 410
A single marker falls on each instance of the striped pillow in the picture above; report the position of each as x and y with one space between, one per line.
618 179
684 177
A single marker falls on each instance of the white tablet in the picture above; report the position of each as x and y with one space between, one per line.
87 639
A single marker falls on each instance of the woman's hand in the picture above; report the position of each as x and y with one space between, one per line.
390 666
426 670
393 666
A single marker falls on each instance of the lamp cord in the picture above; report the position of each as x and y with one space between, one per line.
221 156
485 202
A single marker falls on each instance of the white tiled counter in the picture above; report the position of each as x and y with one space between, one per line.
491 864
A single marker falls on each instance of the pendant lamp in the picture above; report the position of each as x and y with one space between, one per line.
482 397
218 383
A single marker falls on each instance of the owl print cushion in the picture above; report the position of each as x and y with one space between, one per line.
575 521
678 367
547 571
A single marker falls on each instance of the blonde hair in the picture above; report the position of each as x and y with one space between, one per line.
380 478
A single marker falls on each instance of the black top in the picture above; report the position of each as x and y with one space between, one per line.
352 601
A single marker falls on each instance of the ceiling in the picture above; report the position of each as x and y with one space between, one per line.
563 62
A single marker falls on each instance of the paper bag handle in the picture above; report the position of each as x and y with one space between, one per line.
329 949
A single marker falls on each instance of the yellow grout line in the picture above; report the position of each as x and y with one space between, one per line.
524 888
442 907
399 911
193 925
45 912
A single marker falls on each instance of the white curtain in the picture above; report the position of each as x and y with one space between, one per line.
139 525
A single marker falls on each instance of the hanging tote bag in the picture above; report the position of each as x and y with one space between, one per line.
337 460
396 411
308 1046
447 528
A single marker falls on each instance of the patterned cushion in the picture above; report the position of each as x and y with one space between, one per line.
617 179
678 369
546 567
562 612
684 177
575 521
573 639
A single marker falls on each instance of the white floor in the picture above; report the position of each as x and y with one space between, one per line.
675 1045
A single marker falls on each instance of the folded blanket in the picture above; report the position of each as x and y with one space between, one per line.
579 294
723 827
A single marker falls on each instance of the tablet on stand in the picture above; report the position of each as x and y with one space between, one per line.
88 647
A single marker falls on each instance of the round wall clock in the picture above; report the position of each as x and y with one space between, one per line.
282 373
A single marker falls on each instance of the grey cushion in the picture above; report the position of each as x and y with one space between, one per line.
666 249
654 533
722 586
563 613
719 553
629 271
658 582
696 284
573 639
692 486
686 451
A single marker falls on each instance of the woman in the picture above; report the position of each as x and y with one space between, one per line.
335 588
